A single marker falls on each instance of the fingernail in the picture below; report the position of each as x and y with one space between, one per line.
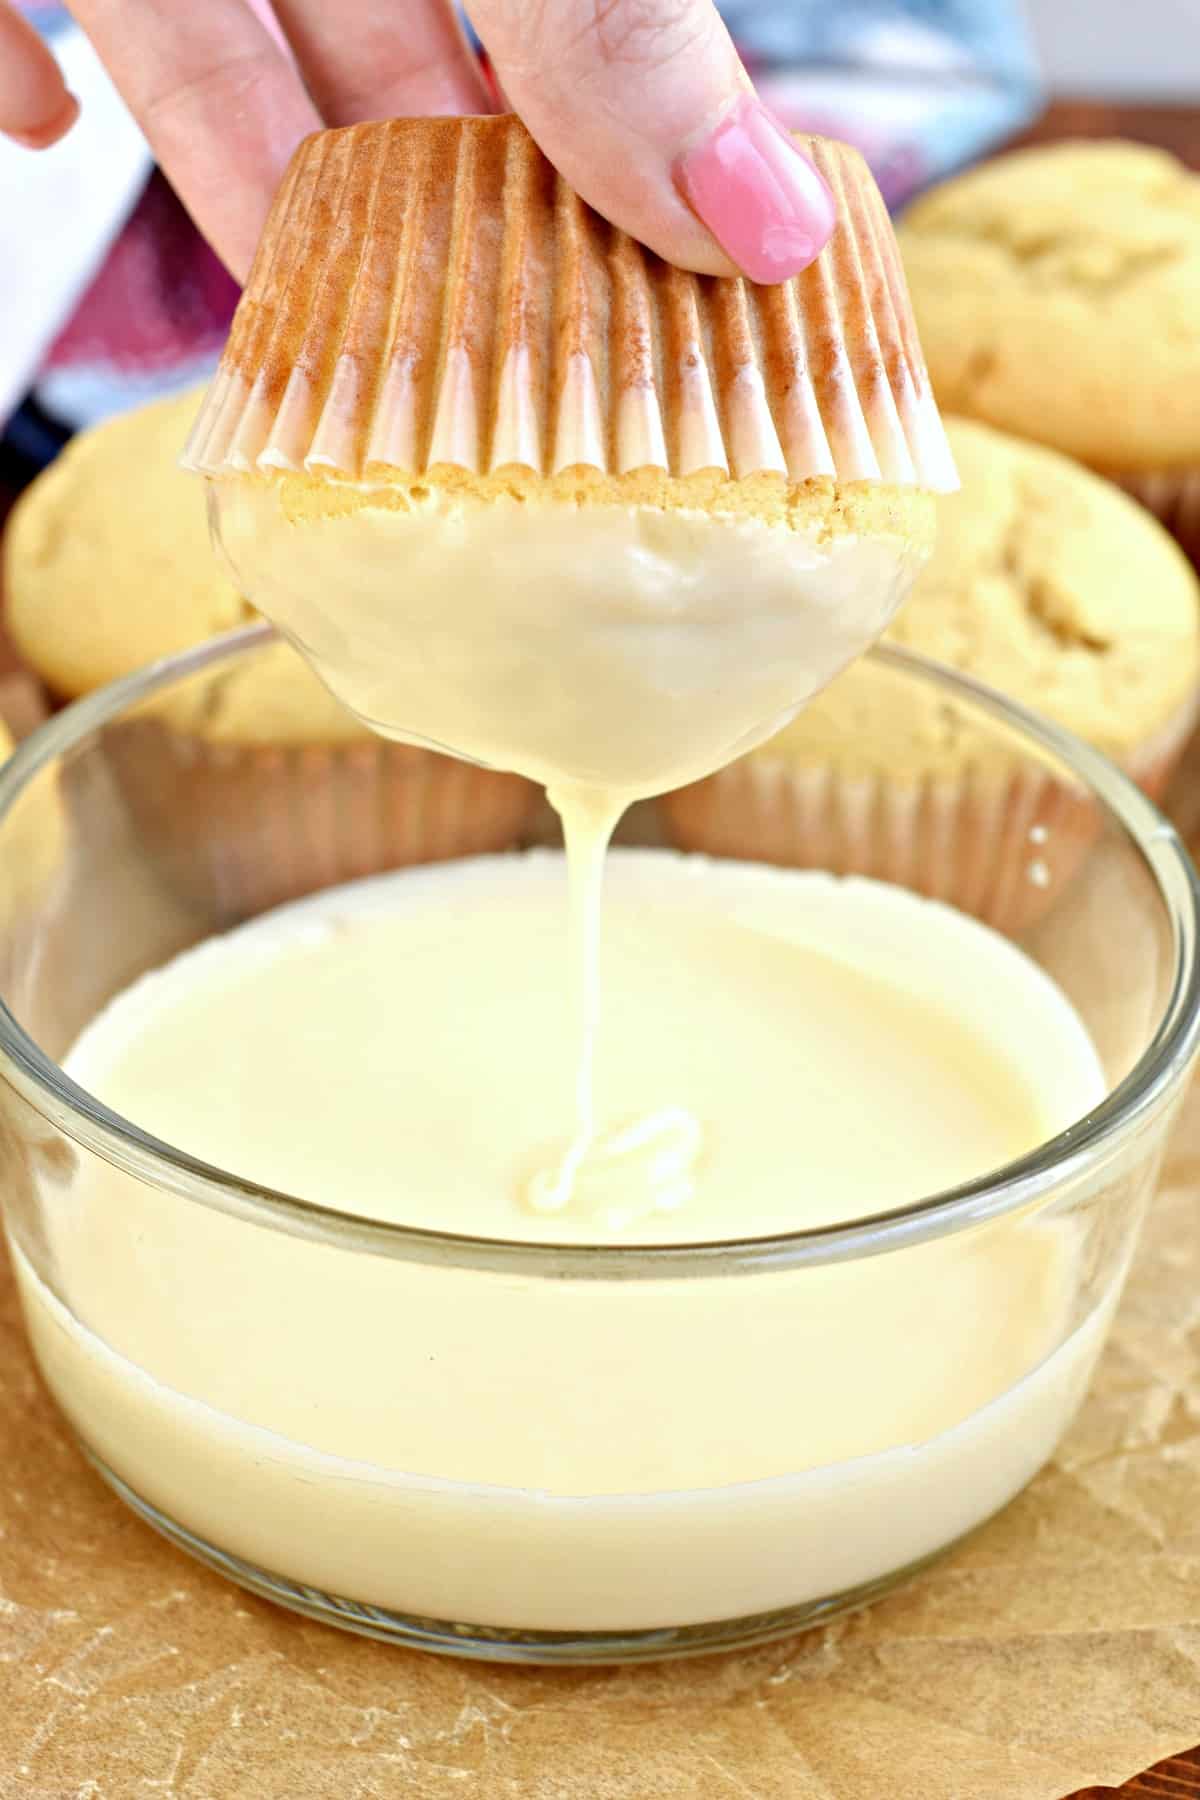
764 202
40 137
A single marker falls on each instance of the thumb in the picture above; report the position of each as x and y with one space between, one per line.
644 107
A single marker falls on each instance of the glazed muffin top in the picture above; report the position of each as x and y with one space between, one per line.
523 490
1057 293
108 566
1048 583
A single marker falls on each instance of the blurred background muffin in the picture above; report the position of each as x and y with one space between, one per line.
108 567
1057 292
1048 583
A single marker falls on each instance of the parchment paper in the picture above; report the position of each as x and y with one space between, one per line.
1059 1649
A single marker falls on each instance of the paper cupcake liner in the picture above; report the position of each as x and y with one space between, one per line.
1002 847
430 295
1173 496
240 828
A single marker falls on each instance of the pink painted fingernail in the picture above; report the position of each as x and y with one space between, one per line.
764 202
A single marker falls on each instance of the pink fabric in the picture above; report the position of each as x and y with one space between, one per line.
161 299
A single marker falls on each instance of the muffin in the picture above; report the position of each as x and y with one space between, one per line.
519 487
108 566
1047 583
1057 292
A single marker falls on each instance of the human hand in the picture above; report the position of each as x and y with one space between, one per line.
642 105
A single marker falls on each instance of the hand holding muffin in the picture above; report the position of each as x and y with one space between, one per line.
642 105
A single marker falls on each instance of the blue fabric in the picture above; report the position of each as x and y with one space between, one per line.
986 37
921 86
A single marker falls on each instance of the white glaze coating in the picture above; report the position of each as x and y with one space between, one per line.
623 648
566 1455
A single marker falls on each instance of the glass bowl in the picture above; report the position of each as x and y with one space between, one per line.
129 832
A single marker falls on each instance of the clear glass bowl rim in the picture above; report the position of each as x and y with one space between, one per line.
1059 1161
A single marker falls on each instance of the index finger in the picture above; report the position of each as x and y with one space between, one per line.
220 103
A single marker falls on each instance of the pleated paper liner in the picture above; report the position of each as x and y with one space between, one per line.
1002 845
240 828
431 299
1173 496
